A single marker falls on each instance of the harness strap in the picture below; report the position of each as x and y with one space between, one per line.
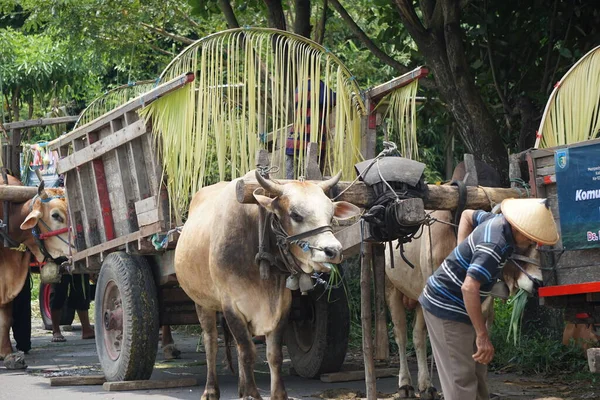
462 202
536 282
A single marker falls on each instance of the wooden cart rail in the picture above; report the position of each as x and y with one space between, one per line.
113 180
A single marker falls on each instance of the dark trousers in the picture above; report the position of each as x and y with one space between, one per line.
21 321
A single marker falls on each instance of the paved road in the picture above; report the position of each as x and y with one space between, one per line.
78 357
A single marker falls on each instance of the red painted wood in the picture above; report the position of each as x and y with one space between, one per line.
101 185
563 290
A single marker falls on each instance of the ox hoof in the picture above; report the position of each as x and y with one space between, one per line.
15 361
171 352
406 392
211 394
430 394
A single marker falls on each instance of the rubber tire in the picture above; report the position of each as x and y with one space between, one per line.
331 330
68 313
133 277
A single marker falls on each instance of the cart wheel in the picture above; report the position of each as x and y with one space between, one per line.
317 334
45 294
126 318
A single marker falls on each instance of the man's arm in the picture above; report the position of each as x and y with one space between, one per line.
470 291
465 226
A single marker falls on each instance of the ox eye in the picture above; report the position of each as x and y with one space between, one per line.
57 217
296 217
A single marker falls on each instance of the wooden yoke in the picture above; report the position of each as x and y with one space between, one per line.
439 197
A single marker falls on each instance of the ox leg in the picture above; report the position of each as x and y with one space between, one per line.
275 358
246 353
208 323
426 389
5 323
398 313
170 351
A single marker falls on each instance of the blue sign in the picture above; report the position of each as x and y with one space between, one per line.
578 186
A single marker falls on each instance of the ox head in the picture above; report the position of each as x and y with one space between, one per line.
523 271
47 219
304 208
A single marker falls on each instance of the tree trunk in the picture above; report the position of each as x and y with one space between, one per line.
320 28
275 14
302 25
227 10
441 45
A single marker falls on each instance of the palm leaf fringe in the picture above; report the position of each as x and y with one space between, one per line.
401 111
573 112
243 99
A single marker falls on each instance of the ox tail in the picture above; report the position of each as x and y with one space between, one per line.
227 336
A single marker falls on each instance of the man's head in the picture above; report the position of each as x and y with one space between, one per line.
531 221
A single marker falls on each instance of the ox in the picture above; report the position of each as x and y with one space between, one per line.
215 264
48 212
404 284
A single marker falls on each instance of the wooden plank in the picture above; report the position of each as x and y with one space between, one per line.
148 217
366 321
348 376
396 83
77 380
17 194
120 241
137 164
382 345
102 190
41 122
350 238
440 197
101 147
132 104
145 205
471 178
543 171
145 385
124 173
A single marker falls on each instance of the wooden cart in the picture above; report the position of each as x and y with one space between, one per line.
124 232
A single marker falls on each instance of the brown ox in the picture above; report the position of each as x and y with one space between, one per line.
214 262
49 210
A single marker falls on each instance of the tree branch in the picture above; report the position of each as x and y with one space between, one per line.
156 48
162 32
227 10
362 36
544 83
320 28
411 20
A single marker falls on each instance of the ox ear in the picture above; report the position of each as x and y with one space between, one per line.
264 201
31 220
345 210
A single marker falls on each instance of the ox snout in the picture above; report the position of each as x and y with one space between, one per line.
330 253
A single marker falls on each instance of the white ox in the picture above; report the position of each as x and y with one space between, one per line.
214 262
48 211
404 285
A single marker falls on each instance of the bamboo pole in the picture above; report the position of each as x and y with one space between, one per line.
366 320
17 194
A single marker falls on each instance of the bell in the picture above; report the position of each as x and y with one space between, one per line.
292 282
306 283
50 273
500 290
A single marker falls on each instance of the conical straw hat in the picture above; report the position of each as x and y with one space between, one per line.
532 218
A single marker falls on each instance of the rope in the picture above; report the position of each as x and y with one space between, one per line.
164 242
524 184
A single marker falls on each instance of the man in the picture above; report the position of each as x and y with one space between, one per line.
293 143
76 290
453 295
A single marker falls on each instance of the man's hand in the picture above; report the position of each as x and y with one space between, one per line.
485 349
470 291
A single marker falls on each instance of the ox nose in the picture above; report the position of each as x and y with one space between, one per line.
333 252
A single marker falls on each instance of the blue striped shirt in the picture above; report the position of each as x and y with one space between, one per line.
481 256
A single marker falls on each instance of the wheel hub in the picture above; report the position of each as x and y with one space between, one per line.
112 312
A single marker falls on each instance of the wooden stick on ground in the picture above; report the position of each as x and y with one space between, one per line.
145 385
77 380
347 376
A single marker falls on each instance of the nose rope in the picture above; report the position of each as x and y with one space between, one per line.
536 282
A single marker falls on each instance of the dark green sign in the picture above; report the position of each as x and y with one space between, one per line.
578 184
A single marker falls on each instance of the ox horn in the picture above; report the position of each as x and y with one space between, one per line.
331 182
41 192
270 186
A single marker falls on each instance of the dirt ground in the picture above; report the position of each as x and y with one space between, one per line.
78 357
